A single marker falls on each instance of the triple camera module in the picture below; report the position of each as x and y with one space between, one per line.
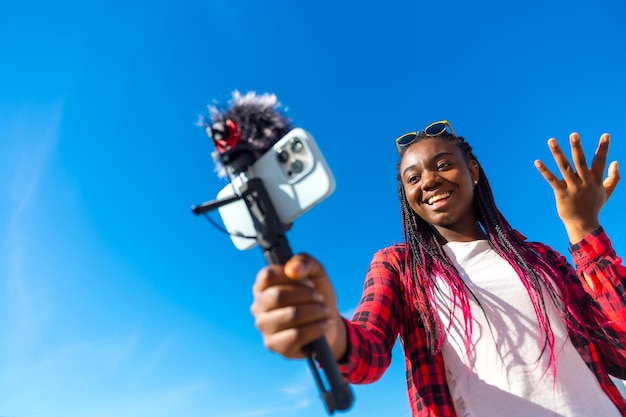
294 158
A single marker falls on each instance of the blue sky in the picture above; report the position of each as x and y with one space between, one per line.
117 301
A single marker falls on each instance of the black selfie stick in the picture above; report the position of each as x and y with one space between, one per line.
276 250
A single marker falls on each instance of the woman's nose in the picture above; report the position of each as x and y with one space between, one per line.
430 179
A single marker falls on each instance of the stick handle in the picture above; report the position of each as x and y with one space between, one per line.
276 250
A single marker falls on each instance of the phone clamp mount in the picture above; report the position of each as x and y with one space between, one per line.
272 239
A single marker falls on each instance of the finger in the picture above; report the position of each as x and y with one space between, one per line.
280 296
291 341
290 317
598 164
578 157
303 265
612 179
562 163
550 178
274 275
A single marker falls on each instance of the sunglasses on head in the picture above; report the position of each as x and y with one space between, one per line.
433 129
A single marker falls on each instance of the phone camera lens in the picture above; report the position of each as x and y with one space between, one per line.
283 156
297 146
297 166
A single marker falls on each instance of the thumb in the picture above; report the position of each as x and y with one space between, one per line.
610 182
304 267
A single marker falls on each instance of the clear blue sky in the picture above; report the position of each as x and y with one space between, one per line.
117 301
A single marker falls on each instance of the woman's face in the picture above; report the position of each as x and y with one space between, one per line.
439 187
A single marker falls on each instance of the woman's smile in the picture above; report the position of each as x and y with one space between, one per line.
439 199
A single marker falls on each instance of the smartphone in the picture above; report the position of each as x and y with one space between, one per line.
296 177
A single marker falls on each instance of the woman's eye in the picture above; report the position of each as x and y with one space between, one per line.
443 165
412 179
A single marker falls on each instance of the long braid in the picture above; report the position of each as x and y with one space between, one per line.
428 262
426 255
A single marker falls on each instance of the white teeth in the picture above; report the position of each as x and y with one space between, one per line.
438 197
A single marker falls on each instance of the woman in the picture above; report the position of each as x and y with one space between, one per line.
489 323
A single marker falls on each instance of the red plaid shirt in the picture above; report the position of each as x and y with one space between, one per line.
384 312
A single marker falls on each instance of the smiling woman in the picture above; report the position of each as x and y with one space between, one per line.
105 250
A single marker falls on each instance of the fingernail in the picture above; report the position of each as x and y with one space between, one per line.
302 265
296 269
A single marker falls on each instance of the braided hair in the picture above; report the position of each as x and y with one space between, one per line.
428 264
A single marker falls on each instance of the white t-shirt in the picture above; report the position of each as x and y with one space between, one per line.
505 374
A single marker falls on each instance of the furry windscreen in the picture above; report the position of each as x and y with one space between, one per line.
259 118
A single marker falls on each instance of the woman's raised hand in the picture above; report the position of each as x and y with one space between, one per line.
583 190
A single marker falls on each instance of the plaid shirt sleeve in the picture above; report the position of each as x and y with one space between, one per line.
376 322
385 312
603 277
